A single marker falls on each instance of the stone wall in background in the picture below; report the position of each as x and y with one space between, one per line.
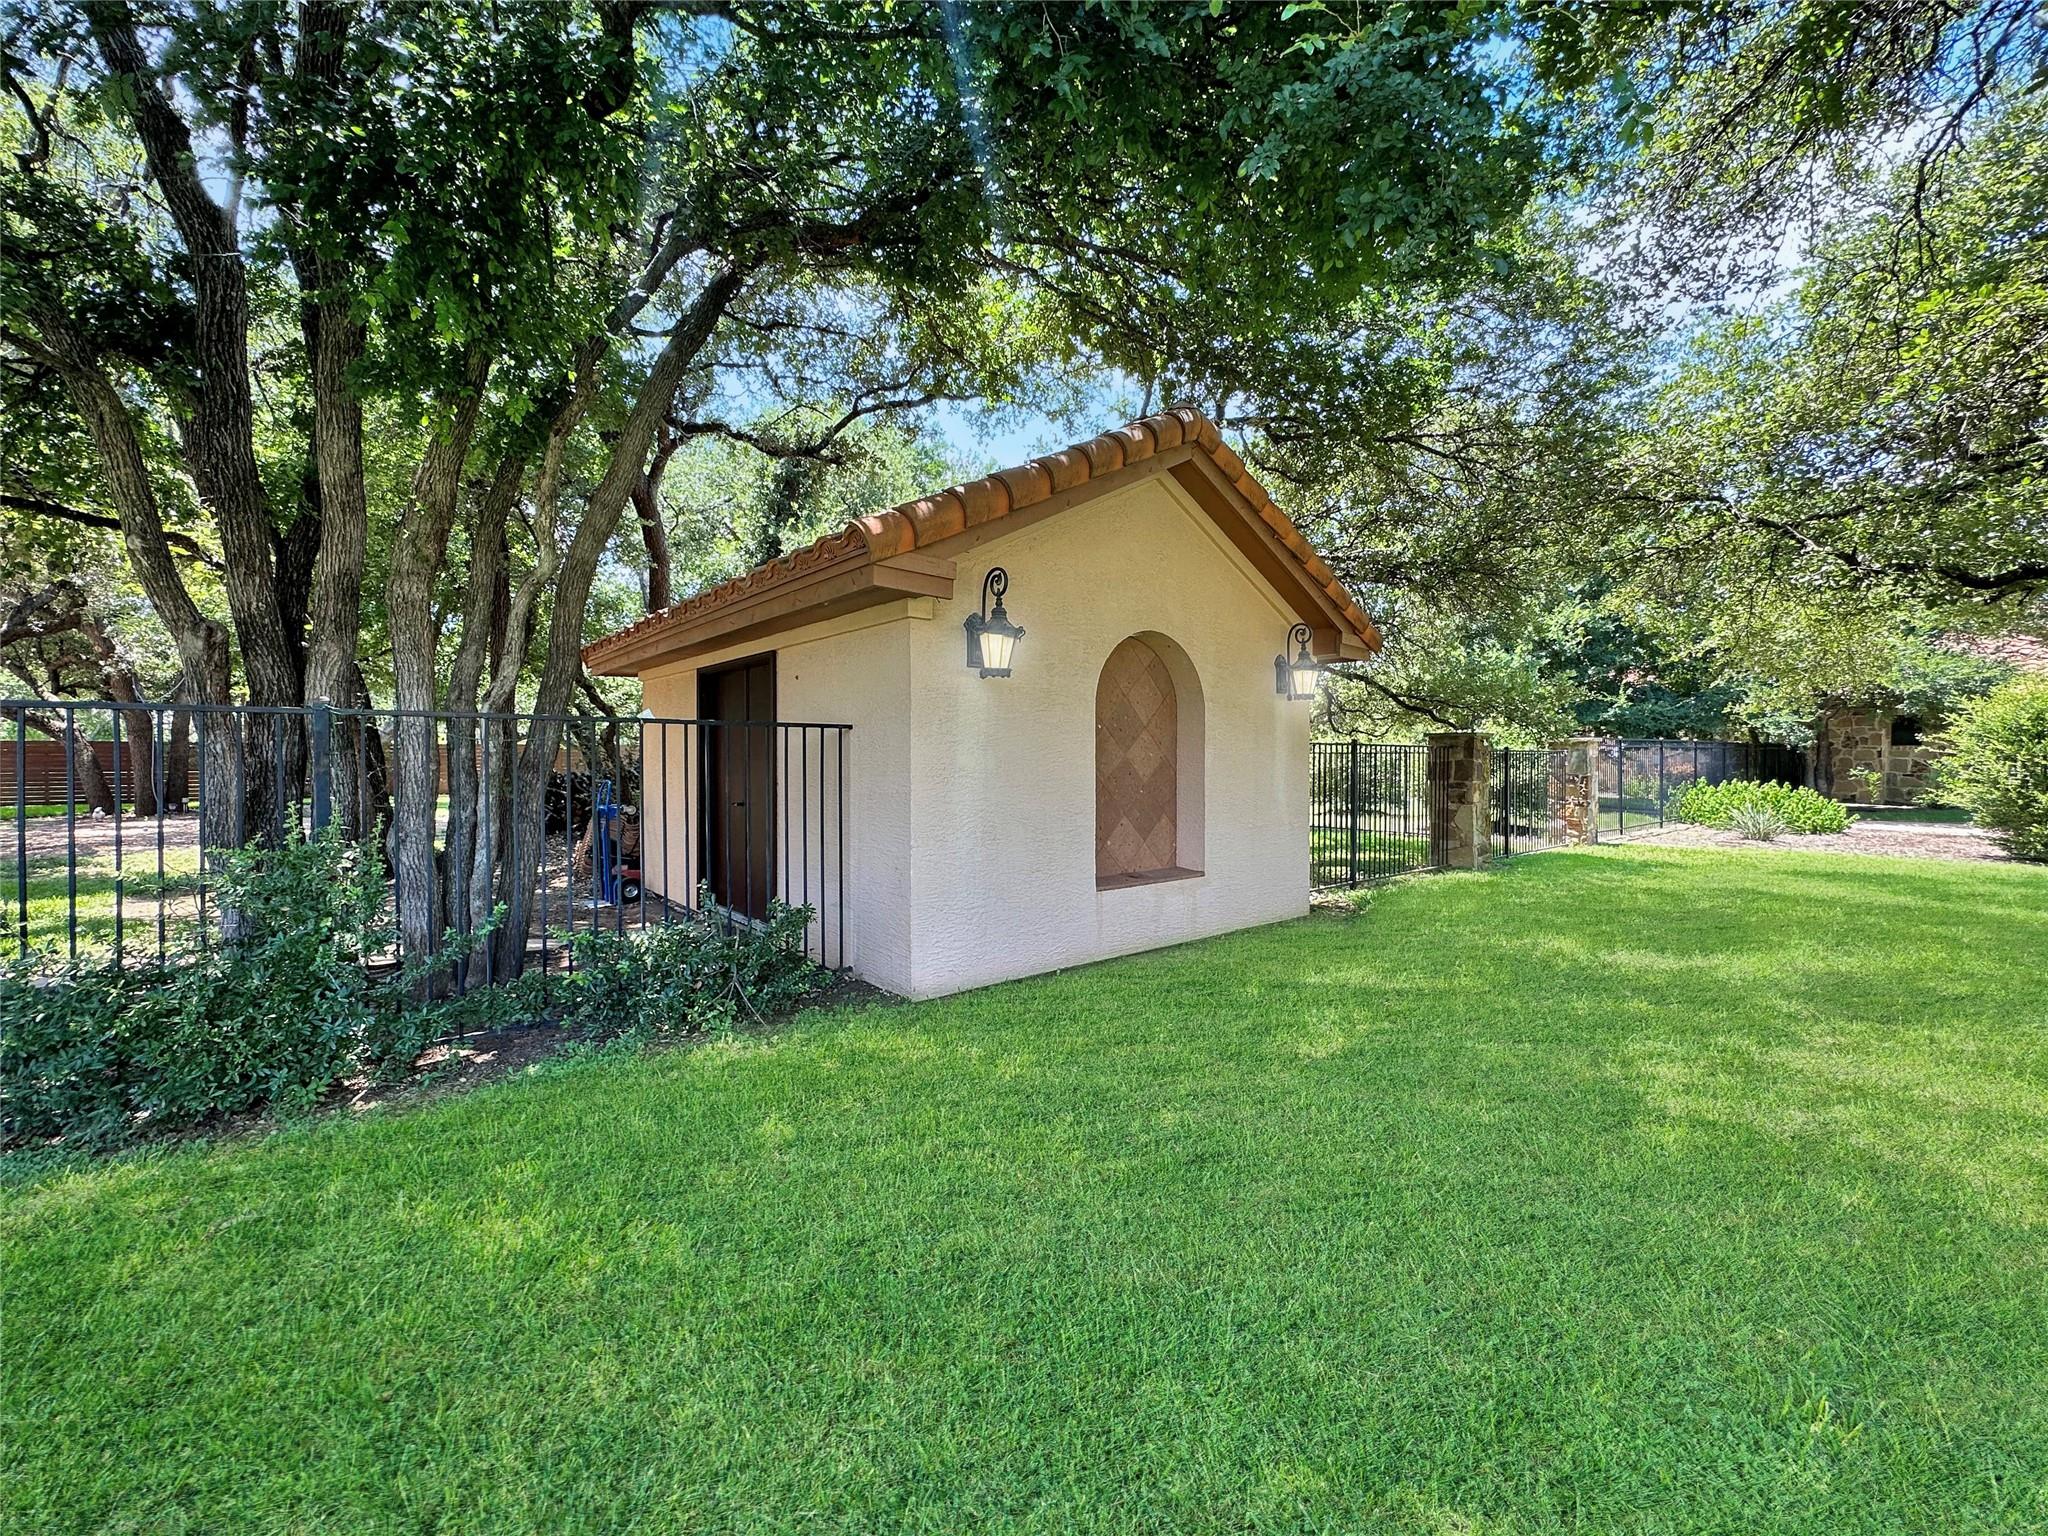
1849 738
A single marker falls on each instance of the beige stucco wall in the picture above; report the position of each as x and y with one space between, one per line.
970 825
1004 769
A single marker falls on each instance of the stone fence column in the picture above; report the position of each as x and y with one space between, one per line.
1575 789
1460 789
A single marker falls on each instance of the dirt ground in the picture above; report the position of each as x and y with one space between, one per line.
469 1061
46 836
1896 839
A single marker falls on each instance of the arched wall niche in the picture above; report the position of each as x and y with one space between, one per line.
1149 746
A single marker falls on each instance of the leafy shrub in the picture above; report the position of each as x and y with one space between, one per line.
1758 823
691 976
94 1053
1996 764
1802 810
1640 786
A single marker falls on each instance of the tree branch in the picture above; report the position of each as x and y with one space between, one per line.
39 506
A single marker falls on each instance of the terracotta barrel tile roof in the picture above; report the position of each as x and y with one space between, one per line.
930 519
2019 650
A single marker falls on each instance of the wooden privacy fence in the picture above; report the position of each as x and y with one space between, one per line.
47 771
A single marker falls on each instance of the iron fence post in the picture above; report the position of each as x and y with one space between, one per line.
1351 801
1620 788
21 825
319 726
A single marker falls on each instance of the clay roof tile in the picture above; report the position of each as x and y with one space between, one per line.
985 499
1166 430
1067 468
937 517
887 533
1028 484
1105 453
1137 441
931 519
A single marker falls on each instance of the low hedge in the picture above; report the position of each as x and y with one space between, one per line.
1802 810
94 1054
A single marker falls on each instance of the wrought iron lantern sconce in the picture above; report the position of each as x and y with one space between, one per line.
991 637
1296 679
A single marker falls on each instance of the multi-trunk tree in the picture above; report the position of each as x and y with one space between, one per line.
418 295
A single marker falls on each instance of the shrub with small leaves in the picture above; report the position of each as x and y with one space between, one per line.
1802 810
692 976
94 1053
1996 764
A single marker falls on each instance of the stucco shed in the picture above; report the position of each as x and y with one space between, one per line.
1136 781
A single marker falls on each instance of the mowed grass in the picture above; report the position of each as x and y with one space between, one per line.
66 905
1631 1190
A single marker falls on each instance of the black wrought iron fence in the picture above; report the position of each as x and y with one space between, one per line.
1371 807
1641 782
1526 795
499 836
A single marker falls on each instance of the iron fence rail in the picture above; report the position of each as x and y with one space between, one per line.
114 846
1371 811
1641 780
1527 795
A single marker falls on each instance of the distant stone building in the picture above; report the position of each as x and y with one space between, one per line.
1861 748
1872 753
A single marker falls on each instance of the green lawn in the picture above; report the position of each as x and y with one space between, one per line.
1380 854
1627 1190
101 894
1953 815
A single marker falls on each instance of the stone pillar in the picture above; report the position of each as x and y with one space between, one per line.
1575 790
1460 791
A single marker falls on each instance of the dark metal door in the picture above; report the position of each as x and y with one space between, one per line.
737 704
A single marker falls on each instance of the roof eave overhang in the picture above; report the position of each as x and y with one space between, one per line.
855 581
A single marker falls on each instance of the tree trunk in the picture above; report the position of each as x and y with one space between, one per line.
178 761
86 777
334 345
600 520
220 438
137 727
473 774
653 529
409 604
202 644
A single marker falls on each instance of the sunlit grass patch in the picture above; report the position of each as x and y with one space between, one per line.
1638 1189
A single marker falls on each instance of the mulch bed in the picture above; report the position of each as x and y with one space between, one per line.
1893 839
